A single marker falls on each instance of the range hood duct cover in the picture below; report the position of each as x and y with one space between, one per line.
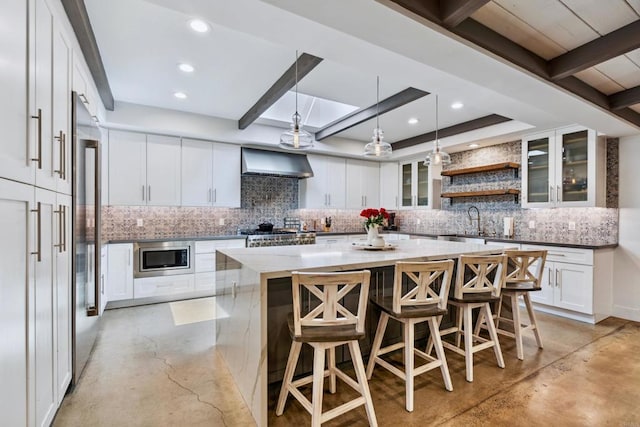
275 163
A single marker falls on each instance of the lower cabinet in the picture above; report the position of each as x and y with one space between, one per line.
120 272
205 278
163 285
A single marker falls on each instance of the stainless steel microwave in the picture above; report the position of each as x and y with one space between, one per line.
163 258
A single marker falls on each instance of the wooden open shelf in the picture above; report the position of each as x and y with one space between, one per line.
480 169
481 193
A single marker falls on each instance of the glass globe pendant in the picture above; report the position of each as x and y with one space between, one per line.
377 147
296 138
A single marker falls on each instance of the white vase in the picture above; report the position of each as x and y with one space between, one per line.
373 238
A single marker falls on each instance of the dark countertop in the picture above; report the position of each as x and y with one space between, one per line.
331 233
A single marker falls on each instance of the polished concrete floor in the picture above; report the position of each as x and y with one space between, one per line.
150 368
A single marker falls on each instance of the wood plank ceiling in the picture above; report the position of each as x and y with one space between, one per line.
589 47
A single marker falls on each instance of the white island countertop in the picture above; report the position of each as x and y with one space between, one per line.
280 261
242 281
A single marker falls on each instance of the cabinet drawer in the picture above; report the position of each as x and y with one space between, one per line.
206 281
208 246
166 285
205 262
562 254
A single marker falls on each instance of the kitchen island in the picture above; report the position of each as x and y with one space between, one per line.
245 277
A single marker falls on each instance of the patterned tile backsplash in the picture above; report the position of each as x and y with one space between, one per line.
272 199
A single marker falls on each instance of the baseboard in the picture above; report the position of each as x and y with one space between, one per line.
627 313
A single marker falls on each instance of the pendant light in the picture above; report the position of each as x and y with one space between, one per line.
437 156
296 138
377 147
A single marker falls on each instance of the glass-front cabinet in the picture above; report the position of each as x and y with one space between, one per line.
564 167
415 185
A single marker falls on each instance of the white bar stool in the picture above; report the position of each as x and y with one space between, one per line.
325 325
424 301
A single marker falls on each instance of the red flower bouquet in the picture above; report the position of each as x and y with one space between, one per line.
374 216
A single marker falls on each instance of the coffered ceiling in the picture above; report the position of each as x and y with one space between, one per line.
252 44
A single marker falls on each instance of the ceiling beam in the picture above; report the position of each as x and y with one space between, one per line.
616 43
624 98
79 18
286 82
453 12
391 103
474 124
429 9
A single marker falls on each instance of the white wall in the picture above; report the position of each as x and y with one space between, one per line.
626 290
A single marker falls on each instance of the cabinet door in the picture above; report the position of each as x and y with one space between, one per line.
61 113
120 273
355 182
42 102
389 185
16 150
537 170
335 184
226 175
546 294
421 184
62 249
127 168
574 287
197 173
163 170
16 270
406 179
43 311
313 191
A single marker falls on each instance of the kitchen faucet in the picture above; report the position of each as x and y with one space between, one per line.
477 218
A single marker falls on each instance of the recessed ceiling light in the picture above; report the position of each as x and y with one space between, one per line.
457 105
199 26
180 95
474 145
412 121
187 68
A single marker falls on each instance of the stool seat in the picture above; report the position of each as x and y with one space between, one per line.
473 298
520 287
407 312
324 333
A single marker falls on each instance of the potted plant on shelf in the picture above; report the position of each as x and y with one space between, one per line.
374 219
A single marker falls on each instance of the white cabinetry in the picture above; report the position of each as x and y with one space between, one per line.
329 240
206 261
61 118
326 189
163 285
210 174
417 186
362 184
565 167
576 283
120 272
389 185
144 170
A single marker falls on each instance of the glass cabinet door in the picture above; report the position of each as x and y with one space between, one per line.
406 184
574 167
538 172
423 184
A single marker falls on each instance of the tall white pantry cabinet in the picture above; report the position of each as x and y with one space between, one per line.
38 47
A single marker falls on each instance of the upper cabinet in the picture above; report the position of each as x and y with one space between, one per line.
417 186
144 170
565 167
210 174
326 189
389 185
362 184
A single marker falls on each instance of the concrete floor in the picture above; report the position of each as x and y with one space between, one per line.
146 371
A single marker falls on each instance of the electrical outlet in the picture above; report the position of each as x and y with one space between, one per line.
532 224
139 222
418 221
572 226
221 221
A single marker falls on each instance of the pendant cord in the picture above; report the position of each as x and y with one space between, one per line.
436 144
296 81
377 102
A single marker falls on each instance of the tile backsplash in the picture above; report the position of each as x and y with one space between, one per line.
271 199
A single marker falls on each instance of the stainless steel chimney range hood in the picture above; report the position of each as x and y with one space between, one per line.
275 163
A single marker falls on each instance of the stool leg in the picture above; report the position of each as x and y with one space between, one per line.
332 369
499 312
430 340
517 325
377 342
460 315
493 335
358 366
532 319
437 341
479 323
408 333
318 384
288 376
468 341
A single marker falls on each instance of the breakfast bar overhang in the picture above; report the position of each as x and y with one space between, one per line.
244 277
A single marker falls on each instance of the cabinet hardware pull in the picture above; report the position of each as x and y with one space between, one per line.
143 193
549 277
38 159
64 228
551 193
365 201
83 98
60 221
38 252
215 195
64 156
555 254
148 193
60 138
396 201
559 194
558 279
